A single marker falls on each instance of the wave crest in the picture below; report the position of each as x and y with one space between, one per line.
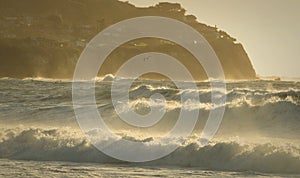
67 145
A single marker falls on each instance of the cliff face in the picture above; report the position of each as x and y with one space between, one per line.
44 38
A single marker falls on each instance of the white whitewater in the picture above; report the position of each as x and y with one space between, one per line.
260 131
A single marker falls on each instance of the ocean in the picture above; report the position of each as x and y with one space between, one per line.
259 135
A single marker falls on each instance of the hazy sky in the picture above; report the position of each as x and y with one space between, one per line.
268 29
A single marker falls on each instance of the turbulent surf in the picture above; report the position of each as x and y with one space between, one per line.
260 131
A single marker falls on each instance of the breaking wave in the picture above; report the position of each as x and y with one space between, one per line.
254 109
232 155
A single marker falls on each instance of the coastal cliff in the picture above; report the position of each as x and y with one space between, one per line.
44 38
